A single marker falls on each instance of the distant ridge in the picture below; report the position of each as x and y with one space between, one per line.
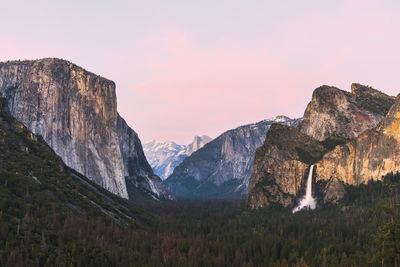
164 156
222 168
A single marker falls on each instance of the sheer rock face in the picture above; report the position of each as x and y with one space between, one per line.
331 119
371 155
279 168
76 113
222 167
198 142
336 112
137 170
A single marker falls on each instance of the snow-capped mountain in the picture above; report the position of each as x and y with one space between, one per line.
222 168
164 156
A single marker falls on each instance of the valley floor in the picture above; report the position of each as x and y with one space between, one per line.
212 233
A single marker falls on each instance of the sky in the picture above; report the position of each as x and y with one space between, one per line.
185 68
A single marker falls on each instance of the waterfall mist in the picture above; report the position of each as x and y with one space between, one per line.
307 201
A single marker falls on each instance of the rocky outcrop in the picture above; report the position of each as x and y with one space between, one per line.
222 168
333 191
75 112
347 114
332 120
164 156
27 163
138 173
198 142
371 155
280 165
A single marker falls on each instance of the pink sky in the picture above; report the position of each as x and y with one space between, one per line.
202 67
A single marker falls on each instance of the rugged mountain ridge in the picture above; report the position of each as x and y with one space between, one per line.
370 156
34 179
197 143
222 168
346 114
75 112
280 165
164 156
139 175
332 119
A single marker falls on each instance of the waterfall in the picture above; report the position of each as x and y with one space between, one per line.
307 201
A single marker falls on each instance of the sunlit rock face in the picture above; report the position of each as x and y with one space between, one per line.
331 122
371 155
280 167
76 113
347 114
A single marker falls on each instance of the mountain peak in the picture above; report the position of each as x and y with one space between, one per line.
334 136
357 88
280 118
164 156
222 167
333 111
198 142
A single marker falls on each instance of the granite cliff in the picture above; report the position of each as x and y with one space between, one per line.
331 121
75 112
280 165
346 114
222 167
197 143
34 180
371 155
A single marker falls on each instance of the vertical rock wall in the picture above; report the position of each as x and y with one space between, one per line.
76 113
